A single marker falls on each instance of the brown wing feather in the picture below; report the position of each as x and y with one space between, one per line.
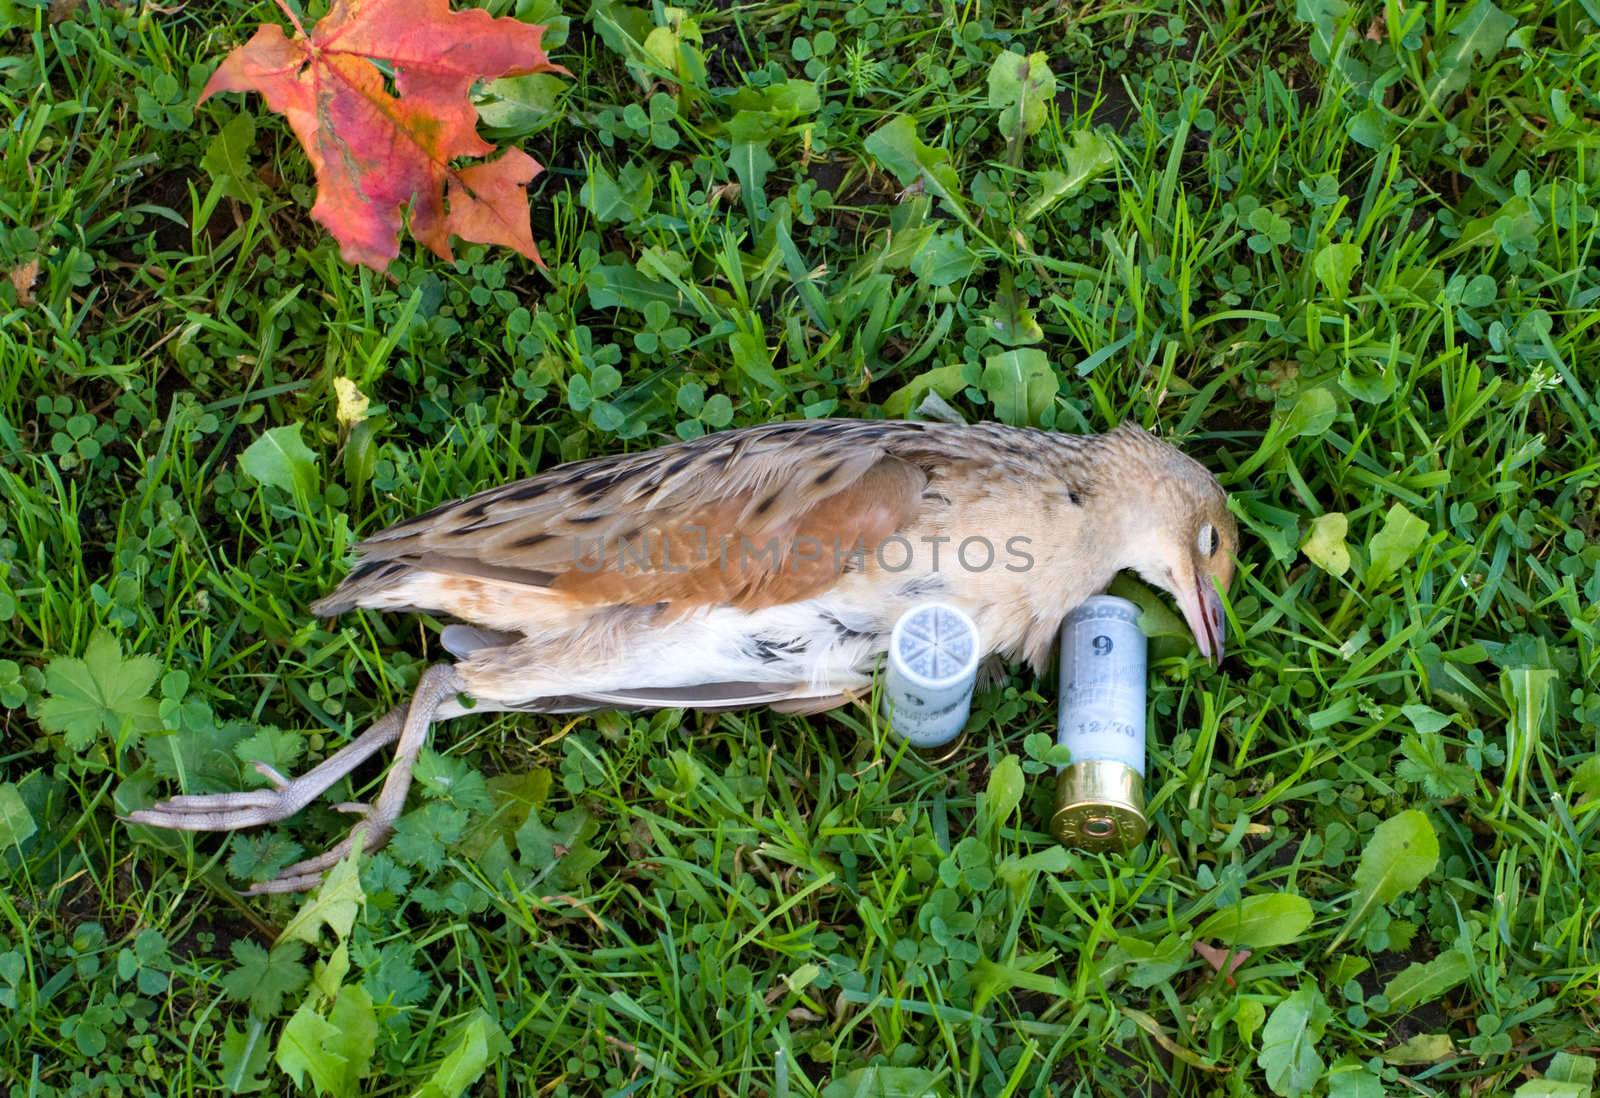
674 522
730 554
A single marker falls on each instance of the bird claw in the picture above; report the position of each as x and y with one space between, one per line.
279 782
225 811
307 873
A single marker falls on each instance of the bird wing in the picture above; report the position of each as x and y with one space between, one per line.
746 518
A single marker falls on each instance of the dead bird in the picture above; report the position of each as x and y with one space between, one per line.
762 566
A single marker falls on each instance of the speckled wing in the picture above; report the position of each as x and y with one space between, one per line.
744 518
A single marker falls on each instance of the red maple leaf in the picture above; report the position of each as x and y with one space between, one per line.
374 151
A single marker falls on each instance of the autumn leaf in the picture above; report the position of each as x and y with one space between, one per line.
1224 961
22 279
353 404
374 151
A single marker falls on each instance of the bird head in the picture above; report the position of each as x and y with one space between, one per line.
1204 537
1178 533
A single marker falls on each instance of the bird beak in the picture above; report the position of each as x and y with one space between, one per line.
1202 609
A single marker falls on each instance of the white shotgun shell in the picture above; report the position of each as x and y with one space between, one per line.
1104 666
932 667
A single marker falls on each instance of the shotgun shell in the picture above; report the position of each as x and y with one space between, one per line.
932 667
1100 792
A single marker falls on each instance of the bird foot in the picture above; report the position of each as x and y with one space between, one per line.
377 819
406 726
230 811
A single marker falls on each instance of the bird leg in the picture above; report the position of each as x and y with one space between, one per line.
407 723
437 684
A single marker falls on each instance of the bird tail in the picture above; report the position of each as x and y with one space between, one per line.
363 585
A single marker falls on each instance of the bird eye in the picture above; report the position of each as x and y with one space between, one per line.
1208 540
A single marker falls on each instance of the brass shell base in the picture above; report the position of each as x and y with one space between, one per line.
941 753
1099 807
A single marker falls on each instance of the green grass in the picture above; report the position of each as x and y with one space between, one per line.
1345 254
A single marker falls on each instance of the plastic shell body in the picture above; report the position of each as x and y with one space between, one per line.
1104 667
932 667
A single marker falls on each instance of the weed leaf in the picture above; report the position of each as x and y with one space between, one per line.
1313 413
1324 17
1021 385
885 1082
262 857
1568 1076
897 147
422 836
279 748
16 822
356 1027
748 156
947 381
280 459
1551 1088
227 158
302 1050
1004 793
1425 981
448 778
244 1057
1289 1042
1394 545
754 359
1150 964
199 756
334 905
945 260
561 851
625 198
1402 853
100 693
1425 763
478 1043
1088 155
1350 1079
264 977
1325 545
1259 922
1021 88
1424 1048
1010 320
1334 265
1477 36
